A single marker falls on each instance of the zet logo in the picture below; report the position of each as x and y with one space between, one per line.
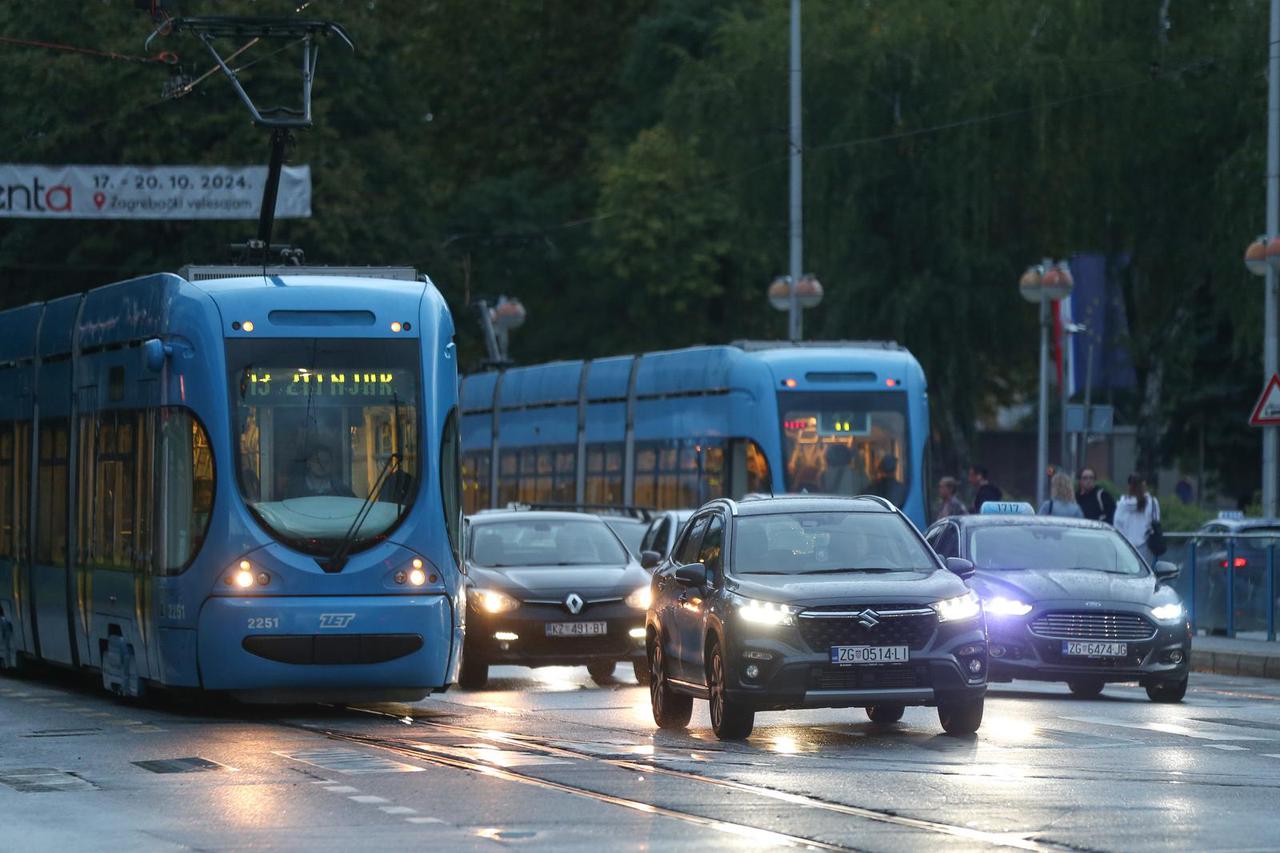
336 620
38 196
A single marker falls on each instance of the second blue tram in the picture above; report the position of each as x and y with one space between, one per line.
675 429
234 479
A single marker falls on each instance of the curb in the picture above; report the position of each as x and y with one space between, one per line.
1236 663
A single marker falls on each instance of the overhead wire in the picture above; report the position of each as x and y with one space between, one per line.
164 57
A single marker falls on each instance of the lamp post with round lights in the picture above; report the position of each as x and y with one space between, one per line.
1043 283
1262 258
808 293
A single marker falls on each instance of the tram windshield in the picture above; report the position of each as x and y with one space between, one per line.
321 425
846 443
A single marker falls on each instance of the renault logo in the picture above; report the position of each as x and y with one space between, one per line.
869 618
574 603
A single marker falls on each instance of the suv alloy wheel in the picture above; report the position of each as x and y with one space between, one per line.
729 720
670 710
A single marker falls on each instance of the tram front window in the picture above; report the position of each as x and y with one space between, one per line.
320 426
846 443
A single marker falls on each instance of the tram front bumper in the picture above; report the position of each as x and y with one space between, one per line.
323 648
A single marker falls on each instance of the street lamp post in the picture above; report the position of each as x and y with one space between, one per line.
1041 284
794 331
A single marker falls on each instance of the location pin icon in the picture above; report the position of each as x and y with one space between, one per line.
99 199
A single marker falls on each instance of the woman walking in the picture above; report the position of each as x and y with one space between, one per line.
1136 513
1062 498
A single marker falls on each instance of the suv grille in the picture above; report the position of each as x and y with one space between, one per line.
822 633
1093 626
882 677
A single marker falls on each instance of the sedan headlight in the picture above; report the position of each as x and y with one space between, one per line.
765 612
641 598
1006 607
492 601
957 609
1168 612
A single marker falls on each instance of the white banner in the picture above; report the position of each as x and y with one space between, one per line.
148 192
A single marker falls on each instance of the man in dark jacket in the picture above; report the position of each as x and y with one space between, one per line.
984 489
1095 502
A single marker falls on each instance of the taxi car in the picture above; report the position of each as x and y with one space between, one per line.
812 602
1071 600
551 589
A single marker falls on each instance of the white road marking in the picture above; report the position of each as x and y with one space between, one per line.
424 820
1271 755
397 810
1165 728
1225 746
342 789
368 798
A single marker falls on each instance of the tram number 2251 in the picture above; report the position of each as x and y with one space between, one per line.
256 622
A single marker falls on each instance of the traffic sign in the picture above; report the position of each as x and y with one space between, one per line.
1267 411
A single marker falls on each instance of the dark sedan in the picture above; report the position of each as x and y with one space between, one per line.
551 589
1070 600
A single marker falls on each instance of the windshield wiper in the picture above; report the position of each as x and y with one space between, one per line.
339 558
853 569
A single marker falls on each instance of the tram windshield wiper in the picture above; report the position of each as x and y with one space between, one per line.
339 557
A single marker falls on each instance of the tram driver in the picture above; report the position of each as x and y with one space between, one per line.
319 478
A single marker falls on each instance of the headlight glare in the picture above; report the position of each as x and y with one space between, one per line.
641 598
765 612
492 601
957 609
1006 607
1167 612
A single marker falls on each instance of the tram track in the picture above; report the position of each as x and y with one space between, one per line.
456 758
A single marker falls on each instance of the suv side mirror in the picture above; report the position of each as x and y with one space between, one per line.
961 567
649 559
694 574
1165 570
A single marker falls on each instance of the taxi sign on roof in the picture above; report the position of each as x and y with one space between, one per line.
1231 514
1006 508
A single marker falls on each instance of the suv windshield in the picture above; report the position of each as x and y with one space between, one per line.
545 542
319 425
1050 547
827 543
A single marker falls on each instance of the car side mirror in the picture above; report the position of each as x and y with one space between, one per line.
1166 571
649 559
960 566
694 574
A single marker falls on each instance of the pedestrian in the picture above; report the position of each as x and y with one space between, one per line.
1095 502
1062 498
984 489
949 502
1136 514
886 484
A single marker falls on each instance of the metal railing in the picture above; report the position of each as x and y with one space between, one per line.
1227 581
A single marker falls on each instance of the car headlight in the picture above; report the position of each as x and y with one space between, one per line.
1006 607
641 598
492 601
1168 612
957 609
765 612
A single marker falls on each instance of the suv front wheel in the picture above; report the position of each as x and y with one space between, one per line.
729 719
962 717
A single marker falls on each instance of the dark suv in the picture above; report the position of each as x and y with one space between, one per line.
812 602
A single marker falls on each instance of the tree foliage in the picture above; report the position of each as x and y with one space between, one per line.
623 164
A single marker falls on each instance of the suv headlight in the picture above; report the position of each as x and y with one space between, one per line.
492 601
1168 613
957 609
765 612
641 598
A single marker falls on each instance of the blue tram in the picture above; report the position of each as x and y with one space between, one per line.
675 429
235 479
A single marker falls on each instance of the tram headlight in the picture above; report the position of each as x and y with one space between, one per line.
417 577
492 601
243 578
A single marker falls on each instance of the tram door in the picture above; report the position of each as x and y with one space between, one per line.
49 566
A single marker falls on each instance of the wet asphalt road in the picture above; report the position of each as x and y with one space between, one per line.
546 760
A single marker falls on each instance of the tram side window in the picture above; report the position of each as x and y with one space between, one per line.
8 484
111 495
475 481
184 481
537 475
679 473
51 493
604 474
451 483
